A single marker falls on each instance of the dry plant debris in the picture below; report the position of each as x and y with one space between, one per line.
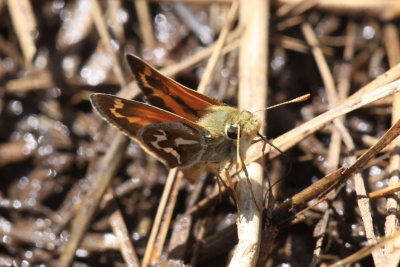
74 191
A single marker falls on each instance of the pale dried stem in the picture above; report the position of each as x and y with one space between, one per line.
166 221
159 216
121 232
336 136
355 168
385 192
249 220
392 223
40 80
109 163
319 232
333 156
189 62
253 58
152 253
323 67
208 72
25 26
370 249
383 9
379 88
205 2
295 8
146 25
107 169
105 38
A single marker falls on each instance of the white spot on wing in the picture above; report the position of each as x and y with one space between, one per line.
159 138
180 141
163 137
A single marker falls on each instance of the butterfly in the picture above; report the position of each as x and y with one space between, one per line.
180 127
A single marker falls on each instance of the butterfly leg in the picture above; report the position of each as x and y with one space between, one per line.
230 185
243 166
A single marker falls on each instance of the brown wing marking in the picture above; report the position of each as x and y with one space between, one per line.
167 94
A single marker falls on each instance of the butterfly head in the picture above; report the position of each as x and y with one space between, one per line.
244 126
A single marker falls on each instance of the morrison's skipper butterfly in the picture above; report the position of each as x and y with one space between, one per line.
181 127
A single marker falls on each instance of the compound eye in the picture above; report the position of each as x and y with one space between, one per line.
231 131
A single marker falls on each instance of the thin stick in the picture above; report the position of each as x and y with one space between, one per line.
159 215
206 2
383 9
208 72
187 63
249 222
108 166
146 25
379 88
253 73
24 23
385 192
333 100
109 163
106 41
211 64
121 232
321 62
365 251
165 223
336 136
295 9
391 225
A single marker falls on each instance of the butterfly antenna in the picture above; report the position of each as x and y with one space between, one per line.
296 100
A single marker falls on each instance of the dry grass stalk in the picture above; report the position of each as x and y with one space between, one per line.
333 100
109 163
368 250
377 89
145 22
122 234
105 38
385 192
108 166
60 78
249 218
383 9
254 16
166 220
152 252
148 255
392 223
25 26
336 136
208 72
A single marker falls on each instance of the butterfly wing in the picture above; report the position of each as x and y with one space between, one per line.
167 94
174 140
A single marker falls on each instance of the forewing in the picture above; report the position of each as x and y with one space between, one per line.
174 140
167 94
